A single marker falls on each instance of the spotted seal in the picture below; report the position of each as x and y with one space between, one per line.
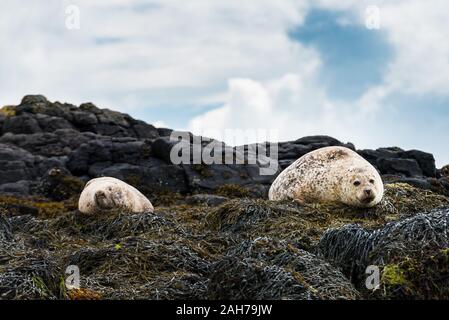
107 193
330 174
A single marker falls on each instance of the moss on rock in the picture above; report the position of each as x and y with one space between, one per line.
8 111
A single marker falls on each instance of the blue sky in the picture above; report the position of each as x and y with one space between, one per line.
296 66
354 58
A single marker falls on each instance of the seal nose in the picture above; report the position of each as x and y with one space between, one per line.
368 192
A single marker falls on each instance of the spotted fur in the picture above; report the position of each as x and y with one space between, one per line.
106 193
330 174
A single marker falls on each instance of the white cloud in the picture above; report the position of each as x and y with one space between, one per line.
417 32
160 124
163 46
293 105
232 52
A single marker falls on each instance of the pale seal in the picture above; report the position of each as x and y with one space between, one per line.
330 174
106 194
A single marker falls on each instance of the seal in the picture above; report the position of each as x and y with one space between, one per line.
107 193
330 174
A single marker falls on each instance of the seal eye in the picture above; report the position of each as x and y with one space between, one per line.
356 183
371 181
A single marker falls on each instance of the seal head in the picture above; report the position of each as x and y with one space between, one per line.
362 188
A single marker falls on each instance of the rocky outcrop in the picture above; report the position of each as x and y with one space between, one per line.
213 233
38 135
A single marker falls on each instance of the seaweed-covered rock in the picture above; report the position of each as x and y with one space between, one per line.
407 200
306 223
207 199
143 269
37 277
18 205
213 234
265 269
410 243
5 229
115 225
234 278
58 184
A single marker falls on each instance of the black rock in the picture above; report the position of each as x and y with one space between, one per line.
406 167
145 131
58 143
445 171
33 99
425 160
373 155
125 150
39 135
164 132
84 119
418 182
58 184
21 187
24 123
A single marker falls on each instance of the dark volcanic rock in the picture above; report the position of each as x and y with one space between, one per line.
161 148
84 119
406 167
445 171
39 135
292 150
426 161
51 123
21 187
397 161
160 178
24 123
164 132
145 131
381 153
31 100
112 150
58 143
17 164
36 114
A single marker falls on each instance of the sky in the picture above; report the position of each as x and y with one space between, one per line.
375 73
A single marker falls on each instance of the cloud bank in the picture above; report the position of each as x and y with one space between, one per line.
215 65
